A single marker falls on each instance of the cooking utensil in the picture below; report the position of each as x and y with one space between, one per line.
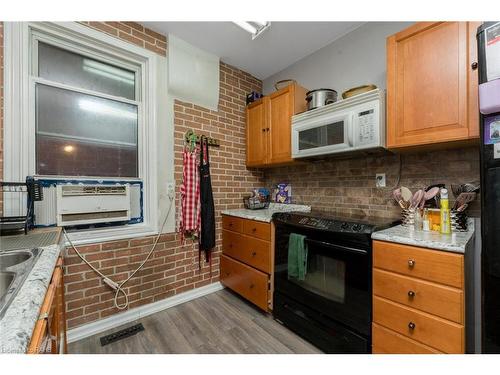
406 194
417 198
399 199
464 198
428 195
357 90
320 97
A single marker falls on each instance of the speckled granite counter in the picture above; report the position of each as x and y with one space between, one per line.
456 242
18 322
266 215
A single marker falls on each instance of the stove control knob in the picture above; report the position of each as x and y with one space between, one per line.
344 225
356 227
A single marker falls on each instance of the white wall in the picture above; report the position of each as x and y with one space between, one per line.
356 59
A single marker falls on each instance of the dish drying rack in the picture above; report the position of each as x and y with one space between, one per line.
21 222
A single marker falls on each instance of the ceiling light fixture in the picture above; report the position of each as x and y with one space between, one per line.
256 28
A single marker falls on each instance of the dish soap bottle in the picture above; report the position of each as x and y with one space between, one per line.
445 212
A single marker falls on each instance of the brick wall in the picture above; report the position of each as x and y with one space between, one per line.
174 267
348 186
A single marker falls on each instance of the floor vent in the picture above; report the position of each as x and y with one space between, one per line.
127 332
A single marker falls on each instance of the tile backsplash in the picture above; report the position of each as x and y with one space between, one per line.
347 186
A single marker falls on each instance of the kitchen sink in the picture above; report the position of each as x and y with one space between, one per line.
6 279
15 265
13 259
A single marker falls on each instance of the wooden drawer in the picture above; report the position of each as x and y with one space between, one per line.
257 229
245 280
433 265
252 251
232 223
436 299
441 334
385 341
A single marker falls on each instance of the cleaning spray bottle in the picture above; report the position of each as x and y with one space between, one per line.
445 212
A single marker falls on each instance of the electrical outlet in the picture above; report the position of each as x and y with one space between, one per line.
171 190
380 180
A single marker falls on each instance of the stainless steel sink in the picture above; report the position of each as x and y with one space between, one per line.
15 265
6 279
12 259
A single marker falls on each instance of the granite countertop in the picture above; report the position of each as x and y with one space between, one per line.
266 214
455 242
18 322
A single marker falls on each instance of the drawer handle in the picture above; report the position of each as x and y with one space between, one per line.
254 253
254 230
411 263
411 293
252 286
230 224
411 326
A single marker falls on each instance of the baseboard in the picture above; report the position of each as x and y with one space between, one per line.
128 316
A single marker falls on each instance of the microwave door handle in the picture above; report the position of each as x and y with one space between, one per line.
336 247
350 129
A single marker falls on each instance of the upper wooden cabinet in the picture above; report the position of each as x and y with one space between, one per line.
269 122
432 84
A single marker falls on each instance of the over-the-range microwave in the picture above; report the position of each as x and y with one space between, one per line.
350 125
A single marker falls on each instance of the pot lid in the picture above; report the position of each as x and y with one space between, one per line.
330 90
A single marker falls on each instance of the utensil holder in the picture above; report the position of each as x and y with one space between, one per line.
408 217
458 221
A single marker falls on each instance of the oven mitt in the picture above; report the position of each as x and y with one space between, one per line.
297 256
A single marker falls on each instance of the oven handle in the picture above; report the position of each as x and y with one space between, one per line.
337 247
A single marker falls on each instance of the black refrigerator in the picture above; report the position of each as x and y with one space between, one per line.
488 38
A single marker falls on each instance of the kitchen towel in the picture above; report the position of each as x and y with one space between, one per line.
297 256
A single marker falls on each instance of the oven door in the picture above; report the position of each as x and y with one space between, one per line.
322 135
338 279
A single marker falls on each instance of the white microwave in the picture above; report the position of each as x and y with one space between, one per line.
353 124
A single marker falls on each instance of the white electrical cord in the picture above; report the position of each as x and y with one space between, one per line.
112 284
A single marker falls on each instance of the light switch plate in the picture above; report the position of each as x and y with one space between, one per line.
380 180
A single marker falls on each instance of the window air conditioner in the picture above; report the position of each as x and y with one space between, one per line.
92 204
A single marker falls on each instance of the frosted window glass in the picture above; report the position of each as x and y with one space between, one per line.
58 65
84 135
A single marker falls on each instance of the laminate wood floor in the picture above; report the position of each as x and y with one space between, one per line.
217 323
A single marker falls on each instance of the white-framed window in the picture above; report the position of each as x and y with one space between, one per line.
80 104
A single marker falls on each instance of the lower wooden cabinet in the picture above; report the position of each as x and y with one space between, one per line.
246 261
418 300
49 335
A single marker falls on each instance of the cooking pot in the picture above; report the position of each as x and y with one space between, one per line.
320 97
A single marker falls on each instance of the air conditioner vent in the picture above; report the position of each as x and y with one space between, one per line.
92 204
75 190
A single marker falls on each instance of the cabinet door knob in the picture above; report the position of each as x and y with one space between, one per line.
251 286
411 263
230 245
230 224
263 129
474 65
254 229
411 326
254 253
411 293
267 129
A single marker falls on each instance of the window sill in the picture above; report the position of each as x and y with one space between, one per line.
84 237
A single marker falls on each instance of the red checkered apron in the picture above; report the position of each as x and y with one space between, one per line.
189 221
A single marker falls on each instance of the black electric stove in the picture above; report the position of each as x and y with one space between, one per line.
331 306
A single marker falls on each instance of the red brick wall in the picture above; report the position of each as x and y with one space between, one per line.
173 268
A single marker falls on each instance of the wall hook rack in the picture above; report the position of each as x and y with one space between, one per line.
191 135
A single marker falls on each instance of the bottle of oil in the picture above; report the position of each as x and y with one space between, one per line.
445 212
